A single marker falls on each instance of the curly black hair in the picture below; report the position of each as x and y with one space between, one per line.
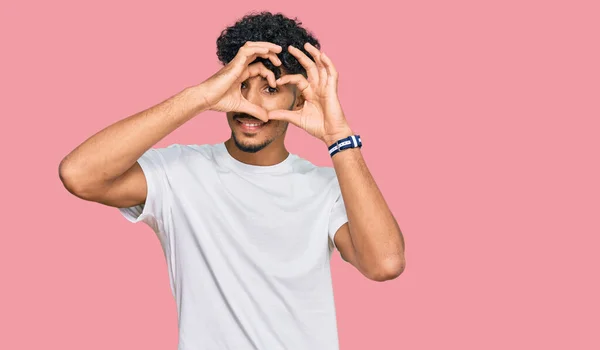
269 27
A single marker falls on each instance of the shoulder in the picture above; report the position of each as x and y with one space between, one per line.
317 173
181 156
177 151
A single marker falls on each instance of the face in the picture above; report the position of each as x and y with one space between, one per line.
251 134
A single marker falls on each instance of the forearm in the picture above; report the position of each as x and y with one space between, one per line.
112 151
376 236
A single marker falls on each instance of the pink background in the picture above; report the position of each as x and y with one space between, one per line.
481 124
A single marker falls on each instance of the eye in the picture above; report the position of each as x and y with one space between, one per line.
272 90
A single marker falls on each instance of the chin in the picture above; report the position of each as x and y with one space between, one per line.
250 143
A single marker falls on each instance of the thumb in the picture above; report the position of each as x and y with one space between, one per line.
286 115
253 110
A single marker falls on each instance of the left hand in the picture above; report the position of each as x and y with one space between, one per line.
321 115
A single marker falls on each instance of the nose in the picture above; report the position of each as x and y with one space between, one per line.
251 92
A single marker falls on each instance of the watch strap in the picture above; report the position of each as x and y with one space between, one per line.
352 141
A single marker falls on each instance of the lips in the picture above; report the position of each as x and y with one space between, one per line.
249 124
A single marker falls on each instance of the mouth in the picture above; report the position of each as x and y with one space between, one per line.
250 125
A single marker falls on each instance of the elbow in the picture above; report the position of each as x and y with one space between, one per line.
387 269
72 179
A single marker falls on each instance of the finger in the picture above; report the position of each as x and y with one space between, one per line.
292 117
329 65
306 62
274 59
332 72
270 56
259 69
247 54
253 110
300 81
316 54
274 47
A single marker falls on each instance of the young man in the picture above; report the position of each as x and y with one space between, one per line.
248 228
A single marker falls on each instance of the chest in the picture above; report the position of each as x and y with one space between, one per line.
273 220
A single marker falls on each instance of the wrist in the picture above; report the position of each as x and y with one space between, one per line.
197 97
333 138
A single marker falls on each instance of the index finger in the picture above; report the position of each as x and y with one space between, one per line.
257 69
306 62
248 53
271 46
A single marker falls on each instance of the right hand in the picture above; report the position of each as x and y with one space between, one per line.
222 92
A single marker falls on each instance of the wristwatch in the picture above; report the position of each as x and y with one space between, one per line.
352 141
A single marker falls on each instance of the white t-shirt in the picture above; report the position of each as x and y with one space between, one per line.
247 247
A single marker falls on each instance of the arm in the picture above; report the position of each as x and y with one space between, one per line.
371 240
104 168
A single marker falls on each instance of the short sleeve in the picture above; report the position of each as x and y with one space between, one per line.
154 211
338 216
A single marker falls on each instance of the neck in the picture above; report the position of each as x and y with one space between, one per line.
272 154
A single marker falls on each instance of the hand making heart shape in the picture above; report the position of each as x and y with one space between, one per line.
222 91
321 114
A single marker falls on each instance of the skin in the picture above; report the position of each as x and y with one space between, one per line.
371 240
104 168
265 146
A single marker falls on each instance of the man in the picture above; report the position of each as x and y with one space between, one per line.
248 228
